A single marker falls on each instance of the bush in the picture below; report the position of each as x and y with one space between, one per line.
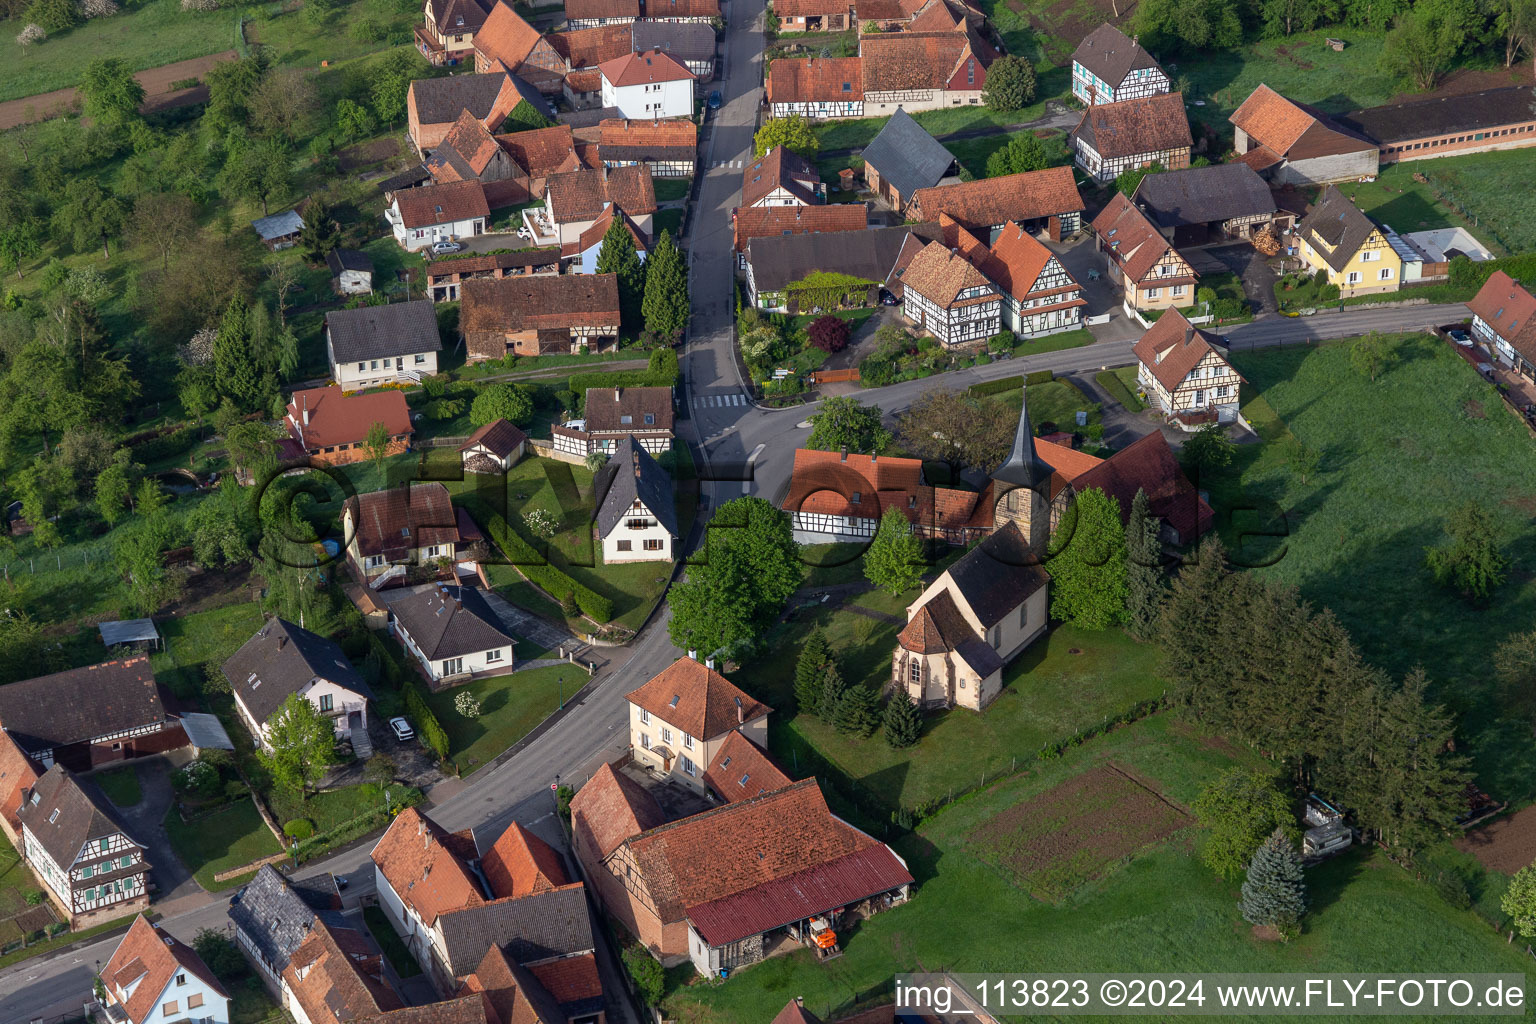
234 789
646 973
580 382
368 30
427 726
197 778
548 577
1038 377
35 897
166 446
829 333
1002 341
997 387
663 364
299 828
466 704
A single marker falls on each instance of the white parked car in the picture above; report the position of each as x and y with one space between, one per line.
402 729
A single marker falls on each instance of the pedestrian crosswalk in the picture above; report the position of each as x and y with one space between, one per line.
716 401
734 165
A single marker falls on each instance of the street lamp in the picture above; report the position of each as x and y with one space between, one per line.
560 682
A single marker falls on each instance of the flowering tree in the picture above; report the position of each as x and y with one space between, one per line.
539 522
29 36
466 704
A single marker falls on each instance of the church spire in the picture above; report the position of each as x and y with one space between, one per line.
1023 468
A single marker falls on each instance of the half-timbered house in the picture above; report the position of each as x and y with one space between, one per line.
781 178
943 294
1183 372
1039 296
83 855
87 717
1210 205
816 87
1504 319
668 148
1041 202
1109 66
923 70
1113 138
542 314
1148 269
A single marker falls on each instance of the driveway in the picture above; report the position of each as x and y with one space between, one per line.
1082 261
1253 268
146 823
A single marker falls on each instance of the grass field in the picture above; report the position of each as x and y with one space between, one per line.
509 706
1396 455
1121 384
15 880
1058 402
1049 694
389 941
121 785
856 133
223 840
1479 185
1159 911
1302 67
201 642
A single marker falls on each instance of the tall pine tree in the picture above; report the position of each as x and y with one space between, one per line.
811 671
236 372
1275 892
1189 630
832 689
902 724
893 560
1144 589
1087 563
617 255
858 713
665 305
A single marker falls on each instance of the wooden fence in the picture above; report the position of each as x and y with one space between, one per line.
834 376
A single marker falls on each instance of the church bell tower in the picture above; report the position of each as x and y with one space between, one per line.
1022 484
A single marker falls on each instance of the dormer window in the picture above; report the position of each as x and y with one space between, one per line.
855 498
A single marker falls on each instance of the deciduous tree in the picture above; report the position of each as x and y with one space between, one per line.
956 428
1369 355
794 133
1010 84
1207 448
1238 811
303 744
1519 901
1128 181
894 560
510 402
1514 667
111 94
164 222
353 120
1190 25
750 566
828 333
1087 563
89 215
376 445
844 423
1024 152
391 77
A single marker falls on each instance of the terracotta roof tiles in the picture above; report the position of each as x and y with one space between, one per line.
940 275
413 857
742 770
990 202
815 80
537 301
151 957
506 36
697 700
582 195
1172 347
1147 124
520 863
611 808
644 68
761 221
441 204
541 152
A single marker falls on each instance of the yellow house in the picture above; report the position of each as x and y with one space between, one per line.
1336 237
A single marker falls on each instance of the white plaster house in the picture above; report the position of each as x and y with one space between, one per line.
453 633
154 978
284 659
636 515
373 345
645 86
681 717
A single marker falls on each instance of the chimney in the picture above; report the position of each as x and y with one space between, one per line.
741 714
845 453
1189 332
305 400
693 655
282 641
799 1000
616 394
709 663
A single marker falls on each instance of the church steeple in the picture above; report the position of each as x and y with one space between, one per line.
1023 468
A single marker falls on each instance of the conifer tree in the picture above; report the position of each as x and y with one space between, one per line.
617 255
902 723
1189 629
858 713
236 373
811 671
1275 892
665 305
893 560
832 689
1144 589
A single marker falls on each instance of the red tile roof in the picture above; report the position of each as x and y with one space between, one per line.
499 436
809 8
1147 124
742 770
151 957
593 235
597 10
644 68
336 977
1509 308
416 859
472 1008
571 979
17 772
897 61
506 36
939 275
589 47
1149 465
1130 238
1293 130
393 521
542 151
696 699
991 202
611 808
336 418
1172 346
676 133
1067 462
538 301
521 863
779 168
470 139
495 978
753 865
815 80
662 9
751 222
937 626
1019 260
794 1012
581 195
825 483
441 204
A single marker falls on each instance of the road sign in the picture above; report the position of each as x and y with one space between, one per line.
554 787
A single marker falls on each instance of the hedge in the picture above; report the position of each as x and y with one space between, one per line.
580 382
1472 275
540 573
997 387
427 725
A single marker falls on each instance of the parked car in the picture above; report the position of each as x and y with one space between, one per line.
1460 337
715 100
886 298
402 729
341 883
445 247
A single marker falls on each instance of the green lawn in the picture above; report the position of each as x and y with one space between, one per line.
1121 384
1396 454
1302 67
667 220
202 641
15 881
857 133
1058 402
223 840
121 785
1160 911
1054 342
510 706
1049 695
390 942
669 189
1479 185
327 810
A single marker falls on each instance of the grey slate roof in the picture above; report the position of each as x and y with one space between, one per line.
997 575
348 259
684 40
83 815
629 474
907 156
1024 467
1200 195
441 100
70 707
1468 112
449 622
374 332
530 928
780 260
282 659
1336 221
1111 54
272 915
279 225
